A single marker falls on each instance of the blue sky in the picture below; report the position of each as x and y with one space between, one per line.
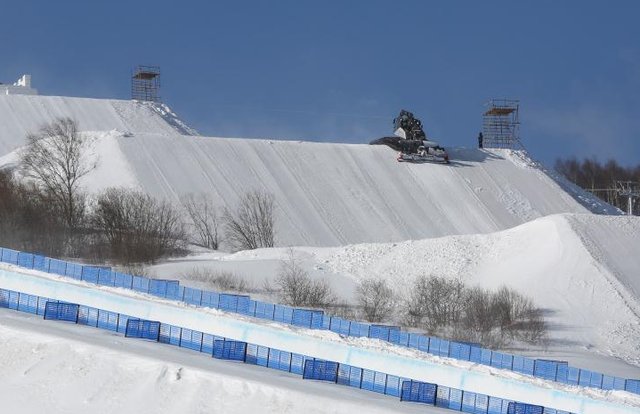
341 70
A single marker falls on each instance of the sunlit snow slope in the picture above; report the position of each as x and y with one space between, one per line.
326 194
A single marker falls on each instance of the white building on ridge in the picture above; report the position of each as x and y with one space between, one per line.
21 87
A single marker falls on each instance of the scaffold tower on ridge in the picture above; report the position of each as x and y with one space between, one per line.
145 83
500 124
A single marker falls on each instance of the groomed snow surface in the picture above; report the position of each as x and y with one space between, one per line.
491 218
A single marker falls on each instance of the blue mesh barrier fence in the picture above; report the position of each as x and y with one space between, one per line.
320 370
551 370
422 392
521 408
308 367
140 328
61 311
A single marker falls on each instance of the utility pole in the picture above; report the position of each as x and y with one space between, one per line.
629 189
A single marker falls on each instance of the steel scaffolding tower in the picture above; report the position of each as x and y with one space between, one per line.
630 190
145 83
500 124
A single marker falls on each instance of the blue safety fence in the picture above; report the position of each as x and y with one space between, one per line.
422 392
141 328
305 366
320 370
231 350
61 311
558 371
521 408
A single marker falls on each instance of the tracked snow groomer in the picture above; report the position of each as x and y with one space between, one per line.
411 141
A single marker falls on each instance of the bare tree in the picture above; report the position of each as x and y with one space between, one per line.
54 158
296 288
137 227
204 220
251 225
376 299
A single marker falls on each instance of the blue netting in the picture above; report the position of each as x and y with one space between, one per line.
264 310
106 277
455 399
210 299
585 378
320 370
140 328
140 284
442 397
158 287
90 274
619 383
358 329
25 260
403 338
107 320
523 365
393 385
521 408
460 350
173 290
231 350
368 378
27 303
302 317
40 262
547 369
468 402
4 298
500 360
87 316
251 355
61 311
297 364
57 267
191 339
283 314
496 406
207 343
379 382
192 296
262 356
74 270
350 376
482 403
10 256
280 360
380 331
123 280
421 392
632 386
339 325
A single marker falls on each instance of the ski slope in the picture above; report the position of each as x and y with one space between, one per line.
326 194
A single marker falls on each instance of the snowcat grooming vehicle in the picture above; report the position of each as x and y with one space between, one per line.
411 141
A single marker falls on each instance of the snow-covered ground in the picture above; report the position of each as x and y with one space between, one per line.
66 368
491 218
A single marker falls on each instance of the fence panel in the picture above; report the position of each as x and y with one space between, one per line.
61 311
74 271
231 350
394 385
90 274
632 386
442 396
10 256
521 408
317 369
40 262
302 317
27 303
88 316
191 339
468 402
379 382
108 320
140 284
58 267
106 277
283 314
455 399
192 296
210 299
359 329
280 360
174 291
495 406
368 378
422 392
123 280
297 364
144 329
459 350
264 310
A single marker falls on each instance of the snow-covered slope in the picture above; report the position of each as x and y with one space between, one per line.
333 194
21 114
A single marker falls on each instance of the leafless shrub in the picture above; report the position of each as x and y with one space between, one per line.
136 226
55 159
218 280
447 307
376 299
296 288
205 220
434 302
251 224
